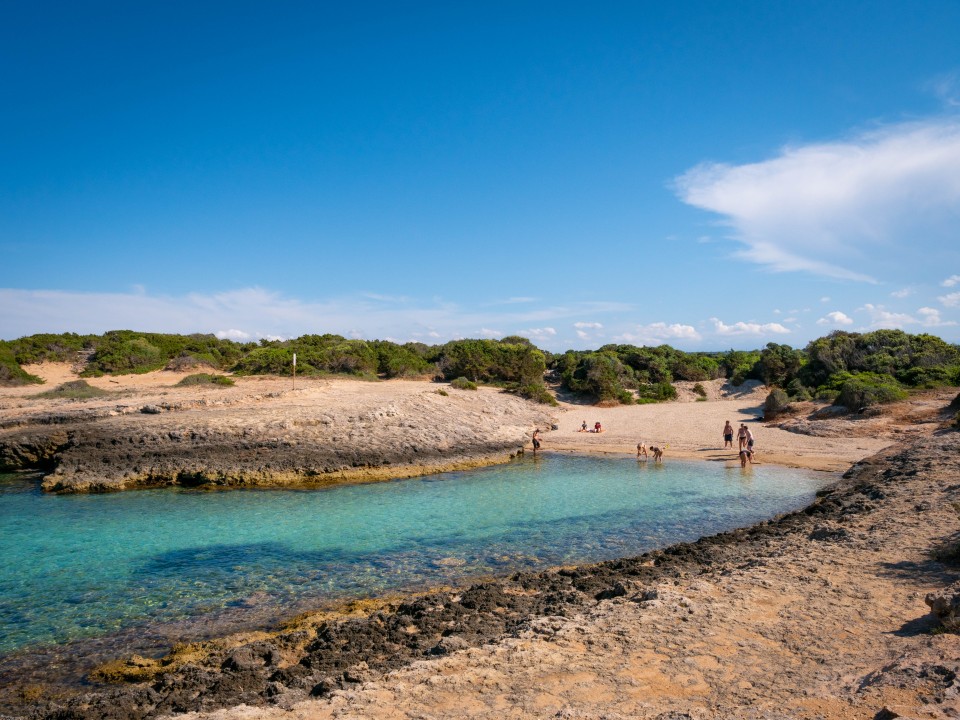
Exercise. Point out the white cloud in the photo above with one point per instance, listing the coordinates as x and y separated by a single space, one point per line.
829 208
748 328
825 299
544 333
951 281
880 317
906 292
835 318
233 334
930 317
657 333
950 300
488 333
591 325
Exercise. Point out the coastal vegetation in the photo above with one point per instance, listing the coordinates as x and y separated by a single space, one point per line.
73 390
206 379
855 370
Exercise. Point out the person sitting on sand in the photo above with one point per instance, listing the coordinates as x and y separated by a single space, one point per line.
746 456
728 435
641 450
597 428
583 426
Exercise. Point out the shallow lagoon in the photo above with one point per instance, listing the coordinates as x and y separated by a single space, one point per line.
80 566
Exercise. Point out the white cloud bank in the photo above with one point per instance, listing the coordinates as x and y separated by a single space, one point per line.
829 208
658 333
748 328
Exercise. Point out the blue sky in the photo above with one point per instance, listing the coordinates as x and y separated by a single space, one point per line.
703 174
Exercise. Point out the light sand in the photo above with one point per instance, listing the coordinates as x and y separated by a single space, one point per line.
694 430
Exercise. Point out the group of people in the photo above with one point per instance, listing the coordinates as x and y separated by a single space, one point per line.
744 442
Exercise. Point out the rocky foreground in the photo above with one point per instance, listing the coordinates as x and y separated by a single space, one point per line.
817 614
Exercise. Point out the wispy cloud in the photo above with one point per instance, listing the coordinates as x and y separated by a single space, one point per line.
836 318
905 292
951 281
826 208
950 299
946 88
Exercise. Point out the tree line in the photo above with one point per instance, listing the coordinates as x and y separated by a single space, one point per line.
853 369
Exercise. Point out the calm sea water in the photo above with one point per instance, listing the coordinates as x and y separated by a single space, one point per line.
80 566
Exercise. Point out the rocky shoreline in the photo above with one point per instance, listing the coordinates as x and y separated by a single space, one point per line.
890 511
305 437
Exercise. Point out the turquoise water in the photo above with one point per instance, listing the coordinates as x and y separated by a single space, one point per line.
80 566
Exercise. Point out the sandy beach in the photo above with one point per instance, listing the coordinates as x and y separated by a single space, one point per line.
817 615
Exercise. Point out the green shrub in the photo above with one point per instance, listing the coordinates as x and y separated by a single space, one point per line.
206 379
700 390
441 391
492 362
656 392
73 390
537 392
11 374
777 402
271 361
461 383
865 389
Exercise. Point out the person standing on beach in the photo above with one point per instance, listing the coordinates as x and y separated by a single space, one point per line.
749 443
728 435
741 436
536 440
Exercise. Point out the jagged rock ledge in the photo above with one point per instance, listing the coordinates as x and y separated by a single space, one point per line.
271 440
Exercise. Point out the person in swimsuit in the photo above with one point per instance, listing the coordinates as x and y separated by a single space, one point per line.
536 440
728 435
583 426
742 436
597 428
641 450
746 456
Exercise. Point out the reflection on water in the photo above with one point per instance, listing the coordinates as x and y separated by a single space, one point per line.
77 566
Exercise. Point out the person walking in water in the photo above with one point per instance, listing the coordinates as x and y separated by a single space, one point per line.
728 435
536 440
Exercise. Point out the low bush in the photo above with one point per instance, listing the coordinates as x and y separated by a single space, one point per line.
776 403
865 389
700 390
206 379
461 383
11 374
656 392
537 392
74 390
